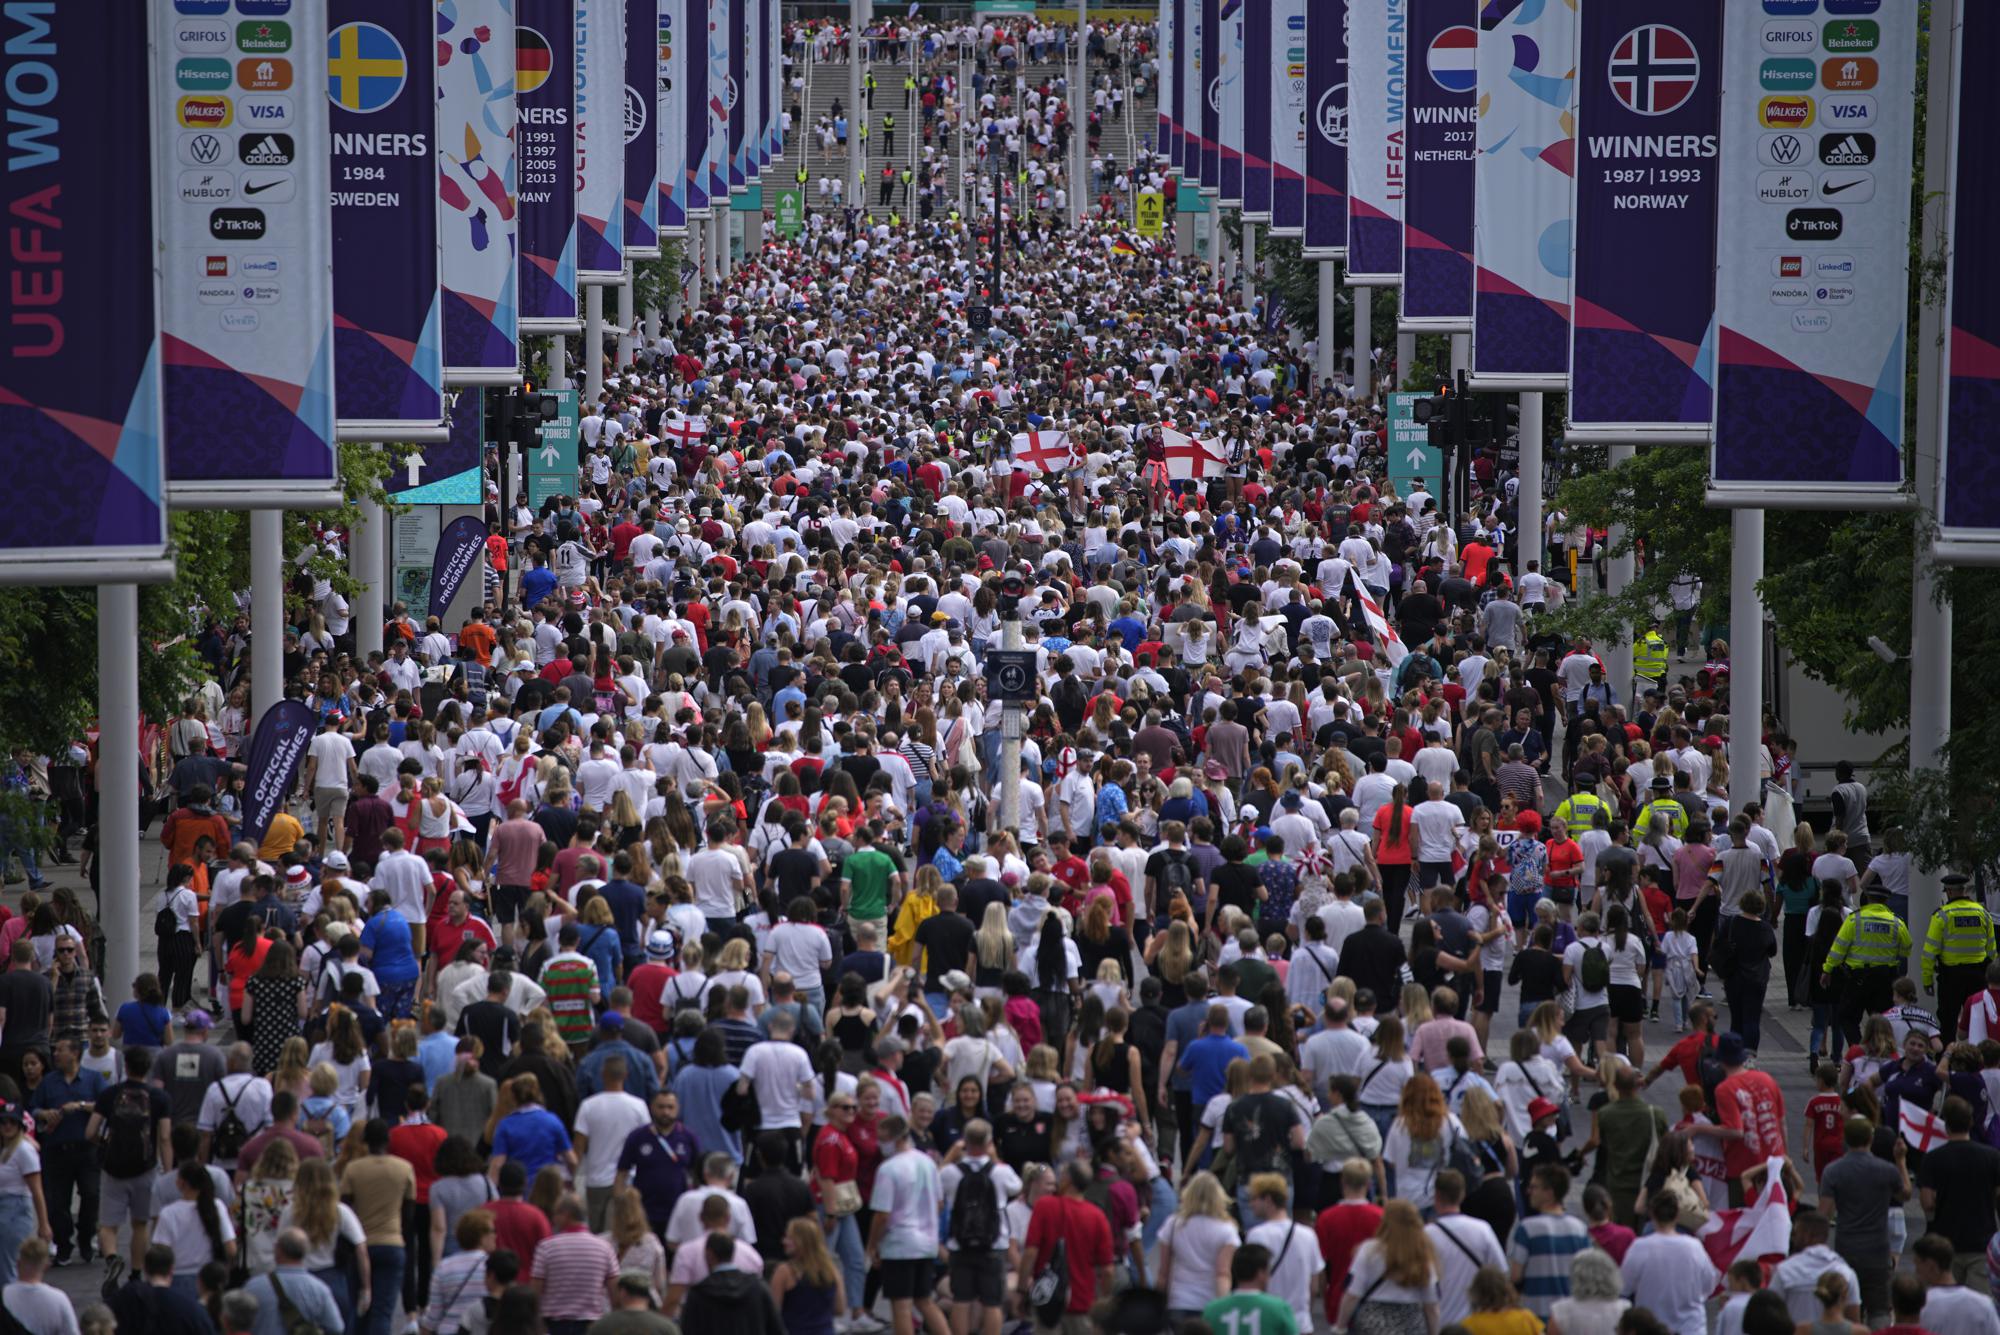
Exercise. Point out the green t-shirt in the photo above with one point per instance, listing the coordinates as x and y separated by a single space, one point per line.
867 873
1250 1313
1628 1130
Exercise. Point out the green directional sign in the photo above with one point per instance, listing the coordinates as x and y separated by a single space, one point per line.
1413 461
790 212
552 463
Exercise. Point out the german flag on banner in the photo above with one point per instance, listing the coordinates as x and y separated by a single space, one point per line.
532 60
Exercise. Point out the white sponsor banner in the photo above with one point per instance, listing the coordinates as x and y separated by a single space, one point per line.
1521 198
246 256
670 118
1812 255
1377 73
722 96
600 141
1288 115
1229 103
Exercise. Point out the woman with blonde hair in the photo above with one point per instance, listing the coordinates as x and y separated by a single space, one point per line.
919 905
633 1239
1419 1141
1491 1197
1381 1089
993 947
806 1286
1392 1283
1547 1023
265 1197
1496 1307
292 1072
1416 1006
732 966
1170 957
434 816
1196 1247
317 1211
1235 1084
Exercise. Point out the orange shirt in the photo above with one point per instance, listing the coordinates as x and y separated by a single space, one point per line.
482 640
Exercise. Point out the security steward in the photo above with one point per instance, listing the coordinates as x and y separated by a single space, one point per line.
1957 948
1649 659
1661 803
1579 810
1866 959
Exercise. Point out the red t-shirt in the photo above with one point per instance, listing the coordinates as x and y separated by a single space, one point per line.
647 982
1752 1102
834 1158
1341 1229
1088 1234
1826 1120
1686 1054
416 1143
518 1226
446 937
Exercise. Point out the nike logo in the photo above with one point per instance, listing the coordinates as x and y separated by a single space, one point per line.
272 185
1824 190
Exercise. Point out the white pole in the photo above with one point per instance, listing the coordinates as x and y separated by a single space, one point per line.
118 783
1930 624
364 562
1079 102
1406 358
1010 741
1528 511
267 611
593 343
697 235
1461 355
1327 310
628 320
1364 346
857 110
1746 655
559 362
1249 265
1618 654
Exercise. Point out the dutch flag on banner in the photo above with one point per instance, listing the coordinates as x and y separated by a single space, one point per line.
1453 59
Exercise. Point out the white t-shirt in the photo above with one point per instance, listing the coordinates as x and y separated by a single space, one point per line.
1627 965
1573 957
1435 828
1366 1270
1005 1179
1295 1259
777 1070
249 1095
801 950
715 873
1194 1243
607 1119
908 1191
1672 1278
1452 1237
16 1168
179 1227
332 750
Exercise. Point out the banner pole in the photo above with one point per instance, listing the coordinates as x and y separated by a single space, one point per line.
1528 501
118 782
558 362
1323 368
1364 346
267 610
1249 265
1619 571
593 343
364 562
628 316
1746 657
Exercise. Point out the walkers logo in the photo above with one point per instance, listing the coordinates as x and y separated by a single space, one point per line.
1785 113
266 150
264 75
236 224
1851 35
1655 70
1781 73
1849 74
1847 150
197 74
204 113
365 67
263 37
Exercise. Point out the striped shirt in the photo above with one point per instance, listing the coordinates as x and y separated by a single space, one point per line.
569 979
576 1268
1543 1246
456 1287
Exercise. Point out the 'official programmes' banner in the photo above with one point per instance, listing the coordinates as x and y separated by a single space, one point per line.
1229 92
1520 228
546 140
1377 70
1812 254
1288 118
642 137
388 339
1442 111
1970 504
1209 34
670 117
459 548
600 141
277 749
1328 130
1648 108
475 158
1259 71
80 384
246 255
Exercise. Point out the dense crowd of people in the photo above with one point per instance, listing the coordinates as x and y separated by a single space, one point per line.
710 944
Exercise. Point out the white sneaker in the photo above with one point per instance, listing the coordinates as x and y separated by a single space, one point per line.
866 1323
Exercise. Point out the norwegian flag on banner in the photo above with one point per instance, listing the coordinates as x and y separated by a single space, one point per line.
1392 645
1190 459
1762 1228
1920 1126
1048 451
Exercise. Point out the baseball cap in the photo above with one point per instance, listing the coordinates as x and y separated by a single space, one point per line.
335 860
611 1022
660 945
198 1019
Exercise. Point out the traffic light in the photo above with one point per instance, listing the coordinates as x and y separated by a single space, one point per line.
1012 590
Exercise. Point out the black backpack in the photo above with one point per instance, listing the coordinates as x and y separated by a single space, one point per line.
230 1134
975 1209
1176 873
129 1143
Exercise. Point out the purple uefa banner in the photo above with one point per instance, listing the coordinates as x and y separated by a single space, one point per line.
694 109
1168 137
449 471
1648 126
739 52
80 385
1969 486
1437 181
459 548
1258 77
1210 110
1326 130
277 749
545 144
642 140
388 349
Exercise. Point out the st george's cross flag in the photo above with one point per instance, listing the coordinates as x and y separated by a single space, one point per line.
1760 1231
1391 644
685 431
1920 1126
1047 451
1189 458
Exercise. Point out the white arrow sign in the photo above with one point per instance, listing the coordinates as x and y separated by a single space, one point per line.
1416 457
551 456
416 466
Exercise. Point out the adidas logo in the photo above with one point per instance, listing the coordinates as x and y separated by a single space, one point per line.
267 151
1847 150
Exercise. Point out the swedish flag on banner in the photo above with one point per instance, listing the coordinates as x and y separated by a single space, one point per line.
365 67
